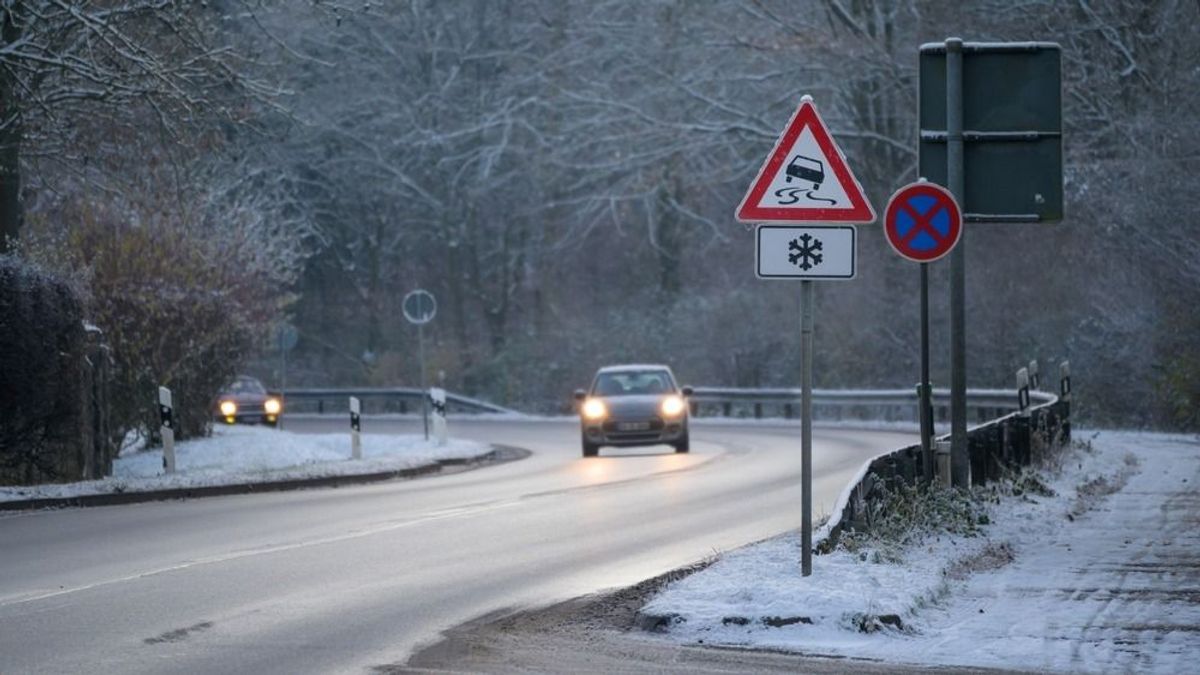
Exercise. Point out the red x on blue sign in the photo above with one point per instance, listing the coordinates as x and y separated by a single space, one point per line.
922 221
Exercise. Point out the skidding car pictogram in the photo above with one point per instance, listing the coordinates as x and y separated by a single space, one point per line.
806 168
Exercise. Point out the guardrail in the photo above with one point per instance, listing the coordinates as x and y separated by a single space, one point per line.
873 404
837 404
380 399
996 448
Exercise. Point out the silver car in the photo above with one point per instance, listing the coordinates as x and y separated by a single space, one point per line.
633 405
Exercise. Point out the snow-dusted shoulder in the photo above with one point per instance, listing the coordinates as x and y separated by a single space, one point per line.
1091 566
246 454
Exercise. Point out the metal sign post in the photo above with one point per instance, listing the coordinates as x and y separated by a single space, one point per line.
805 180
419 308
1008 128
287 337
806 357
923 223
925 388
424 392
807 253
960 461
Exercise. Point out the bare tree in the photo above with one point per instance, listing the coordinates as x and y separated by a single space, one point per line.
66 65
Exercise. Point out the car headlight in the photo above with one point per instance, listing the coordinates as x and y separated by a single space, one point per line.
228 408
594 409
673 405
273 406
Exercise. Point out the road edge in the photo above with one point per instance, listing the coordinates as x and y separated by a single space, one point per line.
500 454
609 624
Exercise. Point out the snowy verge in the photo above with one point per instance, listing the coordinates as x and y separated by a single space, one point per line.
1073 577
236 455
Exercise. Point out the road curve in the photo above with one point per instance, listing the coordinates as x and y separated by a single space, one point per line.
341 580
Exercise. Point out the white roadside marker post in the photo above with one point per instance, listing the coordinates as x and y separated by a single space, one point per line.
437 401
166 414
355 428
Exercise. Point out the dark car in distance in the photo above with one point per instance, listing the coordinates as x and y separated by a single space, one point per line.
633 405
246 401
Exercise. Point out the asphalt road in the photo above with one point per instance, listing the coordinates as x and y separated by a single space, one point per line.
343 580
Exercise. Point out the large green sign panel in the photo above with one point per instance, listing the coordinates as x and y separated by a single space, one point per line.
1012 128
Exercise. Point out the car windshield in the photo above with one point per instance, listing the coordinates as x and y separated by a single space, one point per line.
633 382
246 386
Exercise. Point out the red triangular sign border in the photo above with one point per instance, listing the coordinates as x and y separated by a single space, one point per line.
861 211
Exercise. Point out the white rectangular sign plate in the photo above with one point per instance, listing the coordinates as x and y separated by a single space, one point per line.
825 252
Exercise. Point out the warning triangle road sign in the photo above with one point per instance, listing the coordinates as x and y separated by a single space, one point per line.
805 179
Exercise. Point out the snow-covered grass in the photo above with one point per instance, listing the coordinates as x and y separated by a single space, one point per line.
1090 565
245 454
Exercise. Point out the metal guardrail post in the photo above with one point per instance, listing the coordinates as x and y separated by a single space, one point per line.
943 462
1024 428
1064 396
925 419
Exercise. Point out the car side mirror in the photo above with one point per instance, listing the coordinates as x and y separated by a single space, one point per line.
687 391
580 394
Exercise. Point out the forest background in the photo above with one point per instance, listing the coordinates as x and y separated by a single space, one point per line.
562 176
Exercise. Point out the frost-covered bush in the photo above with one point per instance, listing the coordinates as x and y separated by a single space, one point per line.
909 514
41 357
180 305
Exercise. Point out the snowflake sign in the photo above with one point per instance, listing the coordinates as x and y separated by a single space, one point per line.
825 252
805 247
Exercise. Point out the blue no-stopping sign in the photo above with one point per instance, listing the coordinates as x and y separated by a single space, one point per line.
922 222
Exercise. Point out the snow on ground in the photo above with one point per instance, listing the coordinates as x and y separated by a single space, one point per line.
1103 576
247 454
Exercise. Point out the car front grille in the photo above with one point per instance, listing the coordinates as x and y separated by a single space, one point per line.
614 426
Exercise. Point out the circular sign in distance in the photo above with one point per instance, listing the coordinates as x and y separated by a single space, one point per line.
286 337
419 307
922 221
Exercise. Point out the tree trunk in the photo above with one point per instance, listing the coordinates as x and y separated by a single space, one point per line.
11 211
668 231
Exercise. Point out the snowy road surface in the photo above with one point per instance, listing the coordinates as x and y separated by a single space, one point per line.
345 579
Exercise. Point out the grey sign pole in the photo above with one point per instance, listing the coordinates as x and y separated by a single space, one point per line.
924 389
419 308
804 243
806 355
285 338
282 384
960 464
424 393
